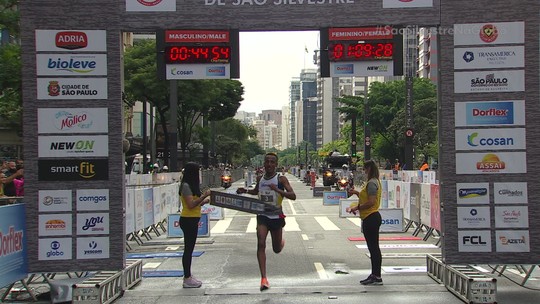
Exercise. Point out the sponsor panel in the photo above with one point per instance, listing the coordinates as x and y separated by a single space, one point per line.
510 193
72 120
512 240
71 64
73 169
197 71
489 81
92 199
407 3
511 217
490 113
489 33
150 5
473 217
54 224
489 57
71 41
490 139
93 248
54 200
73 146
55 249
92 223
472 193
491 163
474 241
362 68
71 88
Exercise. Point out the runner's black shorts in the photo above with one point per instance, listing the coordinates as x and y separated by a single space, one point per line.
272 224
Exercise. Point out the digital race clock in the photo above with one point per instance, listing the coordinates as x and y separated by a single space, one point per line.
178 54
364 50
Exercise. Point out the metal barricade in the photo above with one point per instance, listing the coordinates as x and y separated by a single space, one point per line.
103 288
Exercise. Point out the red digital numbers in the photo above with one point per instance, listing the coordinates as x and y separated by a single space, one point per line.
198 54
352 51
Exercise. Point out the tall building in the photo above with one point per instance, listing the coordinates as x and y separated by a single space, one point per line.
427 54
294 99
306 110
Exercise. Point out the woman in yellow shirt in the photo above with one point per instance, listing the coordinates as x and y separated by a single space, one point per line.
369 202
192 200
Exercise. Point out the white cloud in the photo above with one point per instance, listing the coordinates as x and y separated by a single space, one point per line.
268 63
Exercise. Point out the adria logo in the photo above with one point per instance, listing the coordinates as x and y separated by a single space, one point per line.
71 40
406 0
149 2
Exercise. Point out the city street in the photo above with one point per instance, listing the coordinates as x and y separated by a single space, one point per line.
319 264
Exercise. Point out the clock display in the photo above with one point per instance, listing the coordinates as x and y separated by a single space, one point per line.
355 51
197 54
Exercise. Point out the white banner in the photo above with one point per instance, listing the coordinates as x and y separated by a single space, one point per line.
489 33
73 120
197 71
71 41
489 81
73 146
150 5
512 241
510 193
511 217
490 139
362 68
71 88
491 163
489 57
490 113
407 3
71 64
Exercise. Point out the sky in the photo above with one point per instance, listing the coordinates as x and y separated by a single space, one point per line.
268 63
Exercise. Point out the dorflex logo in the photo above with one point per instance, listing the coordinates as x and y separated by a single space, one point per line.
343 69
215 71
490 163
71 40
490 113
72 170
489 33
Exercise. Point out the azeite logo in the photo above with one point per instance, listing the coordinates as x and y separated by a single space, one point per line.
71 40
73 170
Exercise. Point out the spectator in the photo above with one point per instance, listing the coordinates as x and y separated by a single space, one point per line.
11 174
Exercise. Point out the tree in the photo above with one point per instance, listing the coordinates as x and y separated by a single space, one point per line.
233 143
9 17
216 99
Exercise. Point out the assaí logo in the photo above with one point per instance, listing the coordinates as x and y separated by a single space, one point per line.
67 121
55 252
490 163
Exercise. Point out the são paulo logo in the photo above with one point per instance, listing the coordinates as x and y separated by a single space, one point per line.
489 33
474 141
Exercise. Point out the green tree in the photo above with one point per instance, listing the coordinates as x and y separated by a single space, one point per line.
215 99
9 17
233 144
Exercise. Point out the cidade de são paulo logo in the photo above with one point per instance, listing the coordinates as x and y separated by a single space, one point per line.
149 2
489 33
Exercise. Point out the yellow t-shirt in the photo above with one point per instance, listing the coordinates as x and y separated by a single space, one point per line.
363 198
186 211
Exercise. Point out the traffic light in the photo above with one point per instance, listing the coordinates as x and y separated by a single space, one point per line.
366 123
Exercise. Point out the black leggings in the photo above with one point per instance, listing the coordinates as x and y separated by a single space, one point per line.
370 229
190 227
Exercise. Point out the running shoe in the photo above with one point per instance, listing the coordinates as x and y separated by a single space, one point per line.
191 282
264 284
366 279
372 280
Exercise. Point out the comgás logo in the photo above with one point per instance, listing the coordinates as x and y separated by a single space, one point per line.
149 2
489 33
71 40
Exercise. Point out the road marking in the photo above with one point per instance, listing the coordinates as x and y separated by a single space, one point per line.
399 246
292 224
252 226
480 269
305 237
321 271
292 207
221 226
151 265
172 248
325 223
354 220
398 269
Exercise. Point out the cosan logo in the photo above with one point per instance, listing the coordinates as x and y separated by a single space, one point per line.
71 40
474 141
177 72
